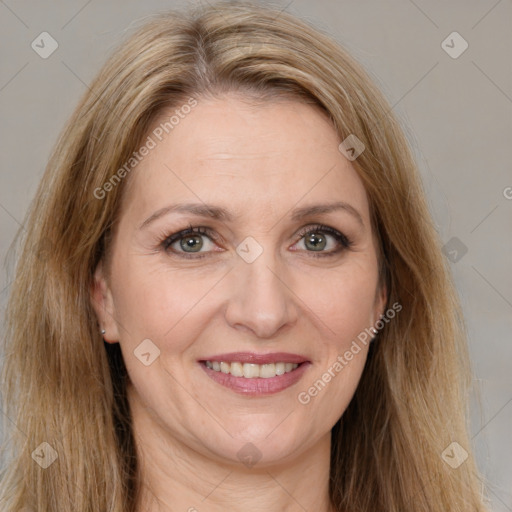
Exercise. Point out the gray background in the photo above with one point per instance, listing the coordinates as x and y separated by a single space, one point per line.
456 113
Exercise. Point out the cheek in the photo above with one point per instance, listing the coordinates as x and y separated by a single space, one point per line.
344 304
343 299
152 301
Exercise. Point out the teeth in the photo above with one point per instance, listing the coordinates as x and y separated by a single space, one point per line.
268 370
251 370
236 369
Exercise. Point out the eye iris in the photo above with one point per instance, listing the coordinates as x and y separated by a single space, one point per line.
194 242
317 242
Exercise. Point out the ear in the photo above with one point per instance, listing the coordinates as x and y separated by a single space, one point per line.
103 304
380 302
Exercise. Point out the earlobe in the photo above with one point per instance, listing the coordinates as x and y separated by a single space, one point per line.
103 304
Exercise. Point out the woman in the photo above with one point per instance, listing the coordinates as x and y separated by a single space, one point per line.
230 294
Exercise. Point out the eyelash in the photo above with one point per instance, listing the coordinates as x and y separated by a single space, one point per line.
342 239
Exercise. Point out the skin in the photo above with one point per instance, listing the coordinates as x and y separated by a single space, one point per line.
260 162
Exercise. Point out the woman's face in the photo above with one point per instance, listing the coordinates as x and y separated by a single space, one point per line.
281 267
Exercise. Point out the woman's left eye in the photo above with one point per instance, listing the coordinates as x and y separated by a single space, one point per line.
324 240
190 242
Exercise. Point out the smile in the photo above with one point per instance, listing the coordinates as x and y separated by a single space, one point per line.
250 370
255 374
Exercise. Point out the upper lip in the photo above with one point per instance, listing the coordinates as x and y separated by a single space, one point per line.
252 357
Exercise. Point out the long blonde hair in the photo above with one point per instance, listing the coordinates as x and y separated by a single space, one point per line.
63 386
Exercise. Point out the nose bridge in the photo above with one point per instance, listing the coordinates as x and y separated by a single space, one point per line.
260 301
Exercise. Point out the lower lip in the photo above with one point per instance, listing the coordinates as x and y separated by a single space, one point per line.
257 386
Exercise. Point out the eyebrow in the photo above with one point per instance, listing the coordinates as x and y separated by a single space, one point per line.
219 213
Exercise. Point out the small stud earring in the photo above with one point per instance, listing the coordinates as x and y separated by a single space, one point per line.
103 331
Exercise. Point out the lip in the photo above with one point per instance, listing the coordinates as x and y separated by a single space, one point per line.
257 386
252 357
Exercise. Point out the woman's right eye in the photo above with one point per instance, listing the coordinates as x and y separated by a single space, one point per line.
189 242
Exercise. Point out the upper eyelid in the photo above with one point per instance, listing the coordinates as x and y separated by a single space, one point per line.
209 231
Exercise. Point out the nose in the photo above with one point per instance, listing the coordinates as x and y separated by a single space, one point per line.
260 300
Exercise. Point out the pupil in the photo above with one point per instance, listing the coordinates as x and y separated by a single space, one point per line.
191 242
317 242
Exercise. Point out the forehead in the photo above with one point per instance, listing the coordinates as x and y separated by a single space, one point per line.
272 155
